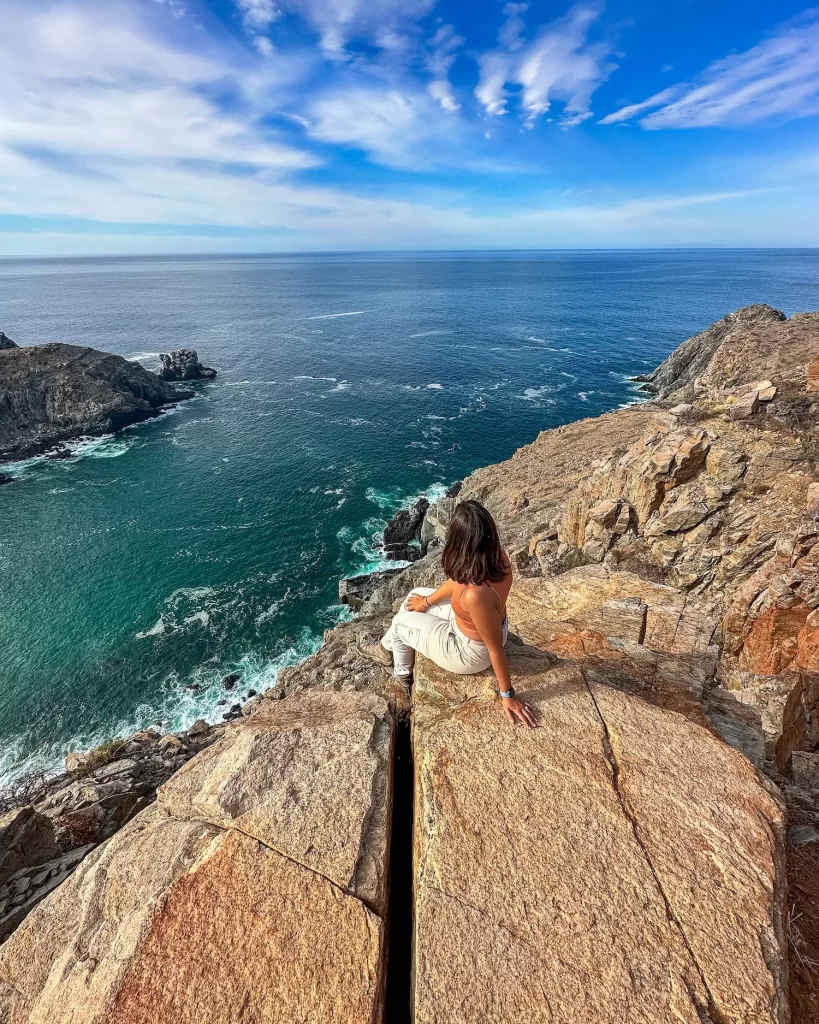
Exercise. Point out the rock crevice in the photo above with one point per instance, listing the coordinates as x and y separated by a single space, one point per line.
714 1015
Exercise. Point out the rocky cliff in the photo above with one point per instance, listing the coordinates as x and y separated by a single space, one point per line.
52 393
649 853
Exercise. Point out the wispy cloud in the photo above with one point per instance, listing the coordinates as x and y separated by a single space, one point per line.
558 65
96 93
443 52
337 22
399 127
258 14
777 78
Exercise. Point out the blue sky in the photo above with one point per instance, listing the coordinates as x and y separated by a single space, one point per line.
262 125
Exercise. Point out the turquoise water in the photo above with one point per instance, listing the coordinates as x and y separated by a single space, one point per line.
211 539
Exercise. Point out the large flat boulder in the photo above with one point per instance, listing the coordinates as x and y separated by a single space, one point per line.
308 777
618 863
209 907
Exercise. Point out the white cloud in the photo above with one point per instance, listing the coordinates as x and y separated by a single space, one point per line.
443 52
258 14
777 78
95 88
399 127
337 22
559 65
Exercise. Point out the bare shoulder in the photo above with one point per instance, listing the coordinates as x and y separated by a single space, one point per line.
477 597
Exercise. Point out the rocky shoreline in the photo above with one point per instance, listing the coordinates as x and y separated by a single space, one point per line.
649 853
54 393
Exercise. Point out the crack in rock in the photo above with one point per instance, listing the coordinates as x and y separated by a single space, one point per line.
711 1014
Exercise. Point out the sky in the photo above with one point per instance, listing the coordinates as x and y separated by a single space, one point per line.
181 126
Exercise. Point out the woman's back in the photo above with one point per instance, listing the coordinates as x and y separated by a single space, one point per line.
500 589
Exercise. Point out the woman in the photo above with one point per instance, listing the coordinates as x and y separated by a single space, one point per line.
461 626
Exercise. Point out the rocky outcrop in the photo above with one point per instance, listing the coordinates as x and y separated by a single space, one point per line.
52 393
618 863
355 591
253 890
6 342
402 533
60 819
183 364
691 359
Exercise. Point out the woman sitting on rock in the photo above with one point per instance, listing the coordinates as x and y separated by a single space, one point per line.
461 626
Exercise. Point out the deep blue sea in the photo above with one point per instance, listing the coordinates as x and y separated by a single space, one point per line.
211 539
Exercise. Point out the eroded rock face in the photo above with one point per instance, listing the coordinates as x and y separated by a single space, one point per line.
183 915
355 591
51 393
561 874
6 342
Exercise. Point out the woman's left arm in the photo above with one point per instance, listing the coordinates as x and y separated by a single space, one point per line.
417 603
487 620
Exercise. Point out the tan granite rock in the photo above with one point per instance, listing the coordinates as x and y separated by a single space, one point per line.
559 877
308 777
617 604
177 919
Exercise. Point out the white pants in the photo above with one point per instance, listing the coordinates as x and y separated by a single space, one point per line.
435 635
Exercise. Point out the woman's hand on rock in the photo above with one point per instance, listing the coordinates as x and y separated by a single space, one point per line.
519 709
417 603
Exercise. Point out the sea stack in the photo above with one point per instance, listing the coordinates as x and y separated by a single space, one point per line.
6 342
183 364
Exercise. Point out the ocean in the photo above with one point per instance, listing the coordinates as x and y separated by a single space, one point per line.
139 572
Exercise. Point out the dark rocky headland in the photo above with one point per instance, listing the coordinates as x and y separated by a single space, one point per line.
53 393
349 851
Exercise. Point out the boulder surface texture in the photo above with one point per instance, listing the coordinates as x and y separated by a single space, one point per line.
618 863
253 890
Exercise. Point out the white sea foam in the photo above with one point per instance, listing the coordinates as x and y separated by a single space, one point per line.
157 629
306 376
143 357
203 618
428 334
537 394
435 387
180 703
531 337
332 316
106 447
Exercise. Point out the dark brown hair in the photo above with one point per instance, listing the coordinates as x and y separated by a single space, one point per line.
473 552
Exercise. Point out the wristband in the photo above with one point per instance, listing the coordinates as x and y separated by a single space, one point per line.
426 601
509 693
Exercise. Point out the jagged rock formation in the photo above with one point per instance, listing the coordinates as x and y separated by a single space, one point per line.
6 342
626 861
402 533
51 393
183 364
355 591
